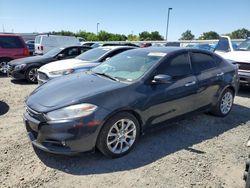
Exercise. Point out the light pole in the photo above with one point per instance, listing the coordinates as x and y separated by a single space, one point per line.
168 23
97 28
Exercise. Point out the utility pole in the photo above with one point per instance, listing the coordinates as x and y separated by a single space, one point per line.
169 9
97 28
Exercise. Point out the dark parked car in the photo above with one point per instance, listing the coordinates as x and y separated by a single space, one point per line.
26 68
110 106
11 47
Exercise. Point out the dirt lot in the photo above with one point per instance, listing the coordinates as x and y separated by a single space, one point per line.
201 151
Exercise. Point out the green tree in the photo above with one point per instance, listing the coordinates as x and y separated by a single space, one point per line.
209 35
187 35
145 35
240 34
155 35
132 37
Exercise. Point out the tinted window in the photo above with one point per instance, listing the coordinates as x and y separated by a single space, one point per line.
223 45
11 42
71 52
178 66
84 50
202 62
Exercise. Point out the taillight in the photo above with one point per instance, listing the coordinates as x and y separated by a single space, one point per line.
42 48
26 52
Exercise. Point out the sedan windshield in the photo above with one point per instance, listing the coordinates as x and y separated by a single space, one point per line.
129 65
53 52
94 54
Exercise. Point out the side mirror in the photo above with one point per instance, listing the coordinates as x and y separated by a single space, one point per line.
107 58
60 56
162 79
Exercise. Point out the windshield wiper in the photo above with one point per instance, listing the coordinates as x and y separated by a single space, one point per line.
107 76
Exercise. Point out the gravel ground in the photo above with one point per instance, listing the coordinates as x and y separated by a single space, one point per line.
201 151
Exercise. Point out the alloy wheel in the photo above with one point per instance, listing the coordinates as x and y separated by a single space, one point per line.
32 75
121 136
226 103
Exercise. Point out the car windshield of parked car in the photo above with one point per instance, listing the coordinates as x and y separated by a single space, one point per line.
53 52
129 65
94 54
245 45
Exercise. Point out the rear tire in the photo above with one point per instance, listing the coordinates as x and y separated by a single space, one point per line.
31 75
224 105
119 135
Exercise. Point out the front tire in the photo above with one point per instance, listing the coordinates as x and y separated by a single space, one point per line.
119 135
3 64
31 74
225 104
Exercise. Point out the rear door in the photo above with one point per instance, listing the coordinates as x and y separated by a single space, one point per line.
209 77
176 97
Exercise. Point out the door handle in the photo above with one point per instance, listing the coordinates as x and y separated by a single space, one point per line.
190 83
220 74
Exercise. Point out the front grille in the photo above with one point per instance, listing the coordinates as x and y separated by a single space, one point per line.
243 66
42 76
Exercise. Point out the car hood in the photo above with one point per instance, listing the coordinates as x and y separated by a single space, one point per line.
237 56
27 60
66 64
70 89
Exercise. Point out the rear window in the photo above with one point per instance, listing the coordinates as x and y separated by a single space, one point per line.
38 39
11 42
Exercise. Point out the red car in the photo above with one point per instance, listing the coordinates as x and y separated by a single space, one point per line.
11 47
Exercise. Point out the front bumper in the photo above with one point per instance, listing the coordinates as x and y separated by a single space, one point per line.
65 137
244 77
11 72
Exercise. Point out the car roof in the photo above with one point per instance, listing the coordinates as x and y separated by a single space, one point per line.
9 34
117 47
171 50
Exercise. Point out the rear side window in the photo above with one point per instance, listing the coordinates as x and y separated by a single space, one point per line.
177 67
202 62
11 42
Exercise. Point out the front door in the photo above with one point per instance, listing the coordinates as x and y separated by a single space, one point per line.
175 98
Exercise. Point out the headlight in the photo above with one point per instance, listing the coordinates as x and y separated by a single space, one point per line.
70 112
62 72
19 67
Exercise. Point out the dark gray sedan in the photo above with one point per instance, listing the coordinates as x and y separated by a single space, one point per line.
110 106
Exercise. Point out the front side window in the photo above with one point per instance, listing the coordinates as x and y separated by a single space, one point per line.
202 62
176 67
71 52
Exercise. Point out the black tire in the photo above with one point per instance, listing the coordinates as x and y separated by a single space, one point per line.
102 141
28 74
217 109
3 61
